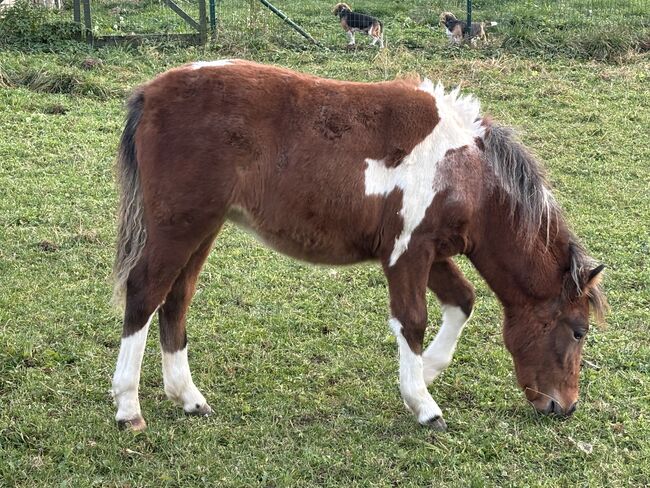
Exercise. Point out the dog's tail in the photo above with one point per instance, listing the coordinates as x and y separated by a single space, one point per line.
490 24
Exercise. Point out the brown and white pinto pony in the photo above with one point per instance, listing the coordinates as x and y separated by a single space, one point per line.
336 172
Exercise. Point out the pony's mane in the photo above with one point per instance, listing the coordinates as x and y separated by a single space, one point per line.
532 206
523 180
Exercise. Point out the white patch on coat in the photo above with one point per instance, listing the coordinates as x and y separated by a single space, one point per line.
449 34
177 378
411 380
350 35
126 379
459 124
440 352
212 64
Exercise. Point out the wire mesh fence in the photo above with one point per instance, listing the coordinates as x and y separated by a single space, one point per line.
560 15
580 27
128 17
587 28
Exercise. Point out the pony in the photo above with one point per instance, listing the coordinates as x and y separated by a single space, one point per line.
335 172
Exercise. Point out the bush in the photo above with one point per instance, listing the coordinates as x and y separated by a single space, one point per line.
27 24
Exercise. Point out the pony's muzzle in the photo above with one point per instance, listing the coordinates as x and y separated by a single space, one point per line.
549 406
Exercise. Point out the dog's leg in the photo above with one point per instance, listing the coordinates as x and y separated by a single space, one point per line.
377 34
350 38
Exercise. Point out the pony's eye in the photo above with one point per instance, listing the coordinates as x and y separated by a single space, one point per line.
578 334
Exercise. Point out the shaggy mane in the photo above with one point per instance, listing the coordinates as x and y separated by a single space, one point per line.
523 179
533 207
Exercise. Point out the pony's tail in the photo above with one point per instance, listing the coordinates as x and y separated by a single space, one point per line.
131 231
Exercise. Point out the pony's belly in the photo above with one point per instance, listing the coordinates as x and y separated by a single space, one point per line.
304 243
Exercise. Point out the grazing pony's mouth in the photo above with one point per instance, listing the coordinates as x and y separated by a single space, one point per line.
549 404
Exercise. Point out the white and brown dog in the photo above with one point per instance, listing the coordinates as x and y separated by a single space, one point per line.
356 22
455 29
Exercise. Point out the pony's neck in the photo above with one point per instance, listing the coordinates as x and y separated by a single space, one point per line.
517 269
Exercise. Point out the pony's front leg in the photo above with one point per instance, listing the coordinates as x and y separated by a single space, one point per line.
456 297
407 283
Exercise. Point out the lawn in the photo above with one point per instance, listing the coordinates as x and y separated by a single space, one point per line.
297 361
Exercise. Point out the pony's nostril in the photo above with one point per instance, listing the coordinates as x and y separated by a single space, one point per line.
551 407
572 409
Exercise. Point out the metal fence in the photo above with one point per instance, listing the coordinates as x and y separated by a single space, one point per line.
407 23
106 21
578 14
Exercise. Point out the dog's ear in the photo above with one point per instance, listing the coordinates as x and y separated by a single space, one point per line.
447 17
341 7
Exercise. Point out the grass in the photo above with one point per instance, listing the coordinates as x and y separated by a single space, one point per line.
297 361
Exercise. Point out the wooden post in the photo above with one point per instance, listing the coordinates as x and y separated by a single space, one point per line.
203 22
213 18
76 11
183 15
88 22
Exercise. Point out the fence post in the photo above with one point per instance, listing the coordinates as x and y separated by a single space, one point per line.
76 11
88 24
213 19
203 23
468 27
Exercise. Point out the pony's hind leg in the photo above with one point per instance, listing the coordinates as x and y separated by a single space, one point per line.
177 378
127 371
147 285
456 297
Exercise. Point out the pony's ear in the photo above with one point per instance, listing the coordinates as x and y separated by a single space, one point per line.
594 277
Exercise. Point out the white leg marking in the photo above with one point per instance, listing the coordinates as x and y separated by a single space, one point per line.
411 380
179 386
211 64
438 355
459 124
127 374
350 38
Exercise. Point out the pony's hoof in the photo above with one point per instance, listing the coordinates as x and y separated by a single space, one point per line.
136 424
200 410
436 423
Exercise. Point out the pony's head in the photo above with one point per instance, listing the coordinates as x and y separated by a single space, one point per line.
544 278
546 338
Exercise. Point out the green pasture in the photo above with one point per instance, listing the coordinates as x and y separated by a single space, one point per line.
297 361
